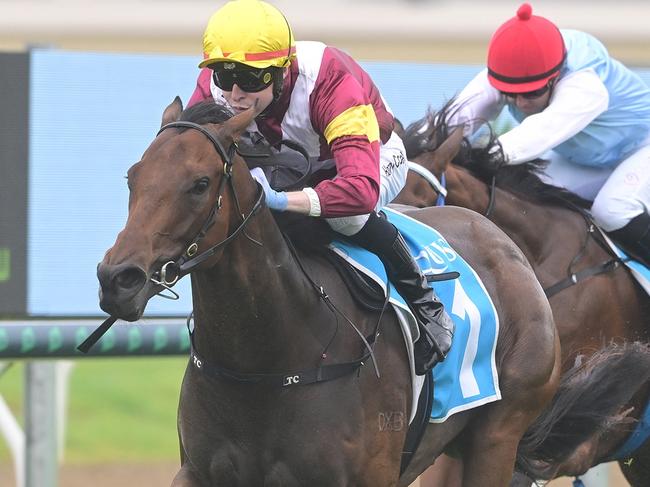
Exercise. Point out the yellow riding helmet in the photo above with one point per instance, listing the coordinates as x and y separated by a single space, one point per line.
250 32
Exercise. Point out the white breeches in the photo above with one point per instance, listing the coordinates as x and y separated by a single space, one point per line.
619 193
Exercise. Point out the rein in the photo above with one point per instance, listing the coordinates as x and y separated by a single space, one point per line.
321 373
438 185
492 187
261 156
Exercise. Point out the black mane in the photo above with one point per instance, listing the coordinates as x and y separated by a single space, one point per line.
486 162
206 111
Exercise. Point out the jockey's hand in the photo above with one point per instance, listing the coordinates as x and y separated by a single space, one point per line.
276 200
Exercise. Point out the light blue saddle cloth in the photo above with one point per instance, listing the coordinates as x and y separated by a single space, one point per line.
468 377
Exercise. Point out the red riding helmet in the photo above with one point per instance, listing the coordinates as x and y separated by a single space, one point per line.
525 53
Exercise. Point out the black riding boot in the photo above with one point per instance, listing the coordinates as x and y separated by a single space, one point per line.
436 327
635 237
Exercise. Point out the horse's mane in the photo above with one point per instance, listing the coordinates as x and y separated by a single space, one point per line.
487 161
206 111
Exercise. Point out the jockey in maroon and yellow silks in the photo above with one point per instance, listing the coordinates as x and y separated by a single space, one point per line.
347 121
320 98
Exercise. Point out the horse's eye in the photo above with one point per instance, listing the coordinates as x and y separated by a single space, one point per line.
200 186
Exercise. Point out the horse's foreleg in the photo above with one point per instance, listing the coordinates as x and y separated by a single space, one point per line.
445 472
186 478
490 461
491 443
520 480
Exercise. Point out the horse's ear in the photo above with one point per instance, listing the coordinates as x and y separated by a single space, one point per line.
173 112
232 128
444 154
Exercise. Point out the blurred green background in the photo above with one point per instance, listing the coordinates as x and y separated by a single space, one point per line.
118 410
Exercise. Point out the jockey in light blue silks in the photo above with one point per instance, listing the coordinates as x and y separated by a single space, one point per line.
585 112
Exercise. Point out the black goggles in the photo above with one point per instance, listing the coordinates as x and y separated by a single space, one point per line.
250 80
530 95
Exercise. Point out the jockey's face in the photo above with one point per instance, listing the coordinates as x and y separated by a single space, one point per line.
530 106
240 100
531 102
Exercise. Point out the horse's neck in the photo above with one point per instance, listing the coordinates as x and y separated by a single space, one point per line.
249 307
535 228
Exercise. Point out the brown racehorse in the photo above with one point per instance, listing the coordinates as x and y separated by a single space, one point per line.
271 320
550 226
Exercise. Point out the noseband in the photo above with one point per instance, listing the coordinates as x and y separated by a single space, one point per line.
172 271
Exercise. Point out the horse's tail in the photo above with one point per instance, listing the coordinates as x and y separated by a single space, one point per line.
588 400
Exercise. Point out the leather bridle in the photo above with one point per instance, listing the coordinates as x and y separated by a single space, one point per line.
189 260
172 271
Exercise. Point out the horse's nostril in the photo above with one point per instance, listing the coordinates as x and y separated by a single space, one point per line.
130 278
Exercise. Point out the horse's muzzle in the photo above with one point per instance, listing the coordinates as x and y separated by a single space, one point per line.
121 290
